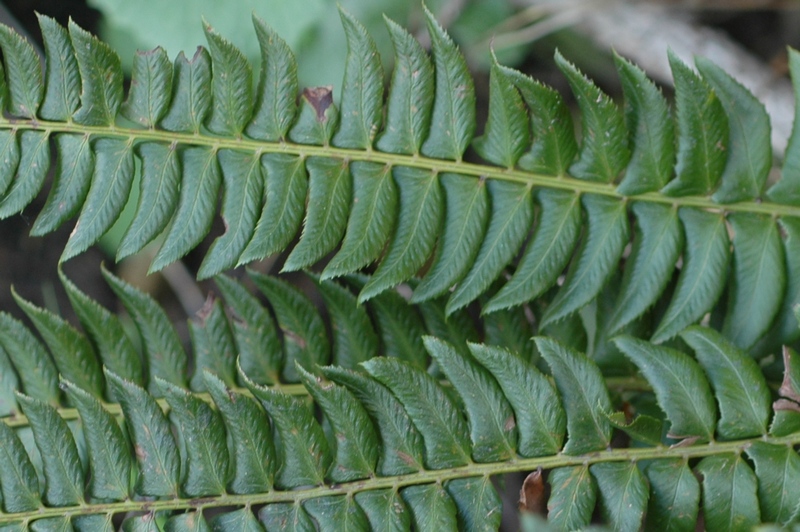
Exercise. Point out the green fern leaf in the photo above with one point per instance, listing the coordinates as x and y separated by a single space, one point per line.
34 159
213 345
682 391
584 395
36 369
163 351
191 95
431 508
110 462
156 450
232 86
23 73
151 88
729 486
18 479
158 196
674 496
258 347
74 355
62 82
253 459
384 510
574 496
623 494
101 79
62 466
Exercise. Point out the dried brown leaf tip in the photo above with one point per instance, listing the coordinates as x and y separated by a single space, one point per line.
532 494
320 98
790 387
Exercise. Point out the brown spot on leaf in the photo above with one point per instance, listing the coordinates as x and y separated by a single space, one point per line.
788 388
140 453
320 99
532 494
785 404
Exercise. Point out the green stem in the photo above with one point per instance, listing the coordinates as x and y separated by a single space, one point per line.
415 161
397 482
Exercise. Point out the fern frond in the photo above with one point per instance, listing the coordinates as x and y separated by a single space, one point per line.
358 184
402 448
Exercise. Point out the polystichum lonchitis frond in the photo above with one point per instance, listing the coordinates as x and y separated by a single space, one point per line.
401 450
387 183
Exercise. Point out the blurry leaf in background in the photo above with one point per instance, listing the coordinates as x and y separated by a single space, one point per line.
311 28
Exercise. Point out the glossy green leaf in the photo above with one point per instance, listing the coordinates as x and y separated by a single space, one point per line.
467 208
478 504
9 383
597 259
408 109
354 337
231 84
584 395
385 510
71 350
188 522
458 329
362 88
282 214
111 184
702 131
510 219
778 472
34 160
702 278
750 150
679 384
36 369
601 157
101 79
400 327
151 87
401 444
573 496
241 520
253 460
759 278
643 428
156 450
19 483
286 516
674 496
71 182
511 329
657 244
62 82
507 132
9 158
259 350
275 105
784 330
200 183
63 474
330 186
370 223
650 132
453 115
729 493
23 72
491 420
244 185
337 513
142 523
742 393
354 441
415 233
538 414
547 255
304 336
623 494
158 196
443 427
110 461
162 348
431 507
114 347
305 456
191 96
207 462
554 146
213 344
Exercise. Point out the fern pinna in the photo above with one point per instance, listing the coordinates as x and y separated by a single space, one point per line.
397 448
388 184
